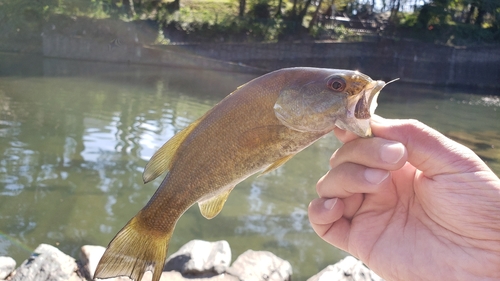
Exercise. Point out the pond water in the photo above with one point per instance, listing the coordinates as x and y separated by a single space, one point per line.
75 136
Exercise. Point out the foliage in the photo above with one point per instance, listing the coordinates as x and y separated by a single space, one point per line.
21 19
442 21
453 22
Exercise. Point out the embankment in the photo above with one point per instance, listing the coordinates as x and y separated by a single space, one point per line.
380 58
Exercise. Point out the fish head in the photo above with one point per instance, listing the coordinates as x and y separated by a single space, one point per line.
318 100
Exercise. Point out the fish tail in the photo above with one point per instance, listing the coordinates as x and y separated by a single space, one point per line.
133 251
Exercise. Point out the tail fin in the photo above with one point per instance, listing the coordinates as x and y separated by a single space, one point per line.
133 251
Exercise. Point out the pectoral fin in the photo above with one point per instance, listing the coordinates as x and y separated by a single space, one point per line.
277 164
212 207
161 161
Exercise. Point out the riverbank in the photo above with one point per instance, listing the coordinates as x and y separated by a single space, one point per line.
381 58
196 260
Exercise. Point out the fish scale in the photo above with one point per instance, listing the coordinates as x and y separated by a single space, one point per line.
258 127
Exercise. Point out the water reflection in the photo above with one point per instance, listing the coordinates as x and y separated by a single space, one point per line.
75 137
264 219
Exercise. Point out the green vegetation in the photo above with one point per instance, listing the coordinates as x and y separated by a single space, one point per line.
459 22
454 22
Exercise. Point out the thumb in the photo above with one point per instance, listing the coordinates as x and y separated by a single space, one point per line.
428 150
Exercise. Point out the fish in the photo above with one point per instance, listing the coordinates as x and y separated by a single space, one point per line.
256 128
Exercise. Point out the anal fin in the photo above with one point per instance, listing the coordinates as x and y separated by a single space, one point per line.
210 208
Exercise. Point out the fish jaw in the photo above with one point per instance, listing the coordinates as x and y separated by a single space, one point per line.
360 108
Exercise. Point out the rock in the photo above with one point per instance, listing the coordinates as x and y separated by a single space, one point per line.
90 256
210 256
177 276
47 263
260 265
200 258
7 266
348 269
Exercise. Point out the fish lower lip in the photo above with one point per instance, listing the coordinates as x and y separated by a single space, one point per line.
362 109
368 100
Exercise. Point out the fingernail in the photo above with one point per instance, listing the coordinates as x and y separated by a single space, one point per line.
392 152
375 176
330 203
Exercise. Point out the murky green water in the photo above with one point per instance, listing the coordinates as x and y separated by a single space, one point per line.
75 136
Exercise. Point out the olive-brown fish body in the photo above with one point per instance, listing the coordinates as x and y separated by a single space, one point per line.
259 126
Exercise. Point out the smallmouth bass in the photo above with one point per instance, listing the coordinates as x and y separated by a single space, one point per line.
258 127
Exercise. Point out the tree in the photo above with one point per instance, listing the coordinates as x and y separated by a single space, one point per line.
242 8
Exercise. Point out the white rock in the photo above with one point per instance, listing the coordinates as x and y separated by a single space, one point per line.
47 263
177 276
200 258
348 269
260 265
90 256
7 265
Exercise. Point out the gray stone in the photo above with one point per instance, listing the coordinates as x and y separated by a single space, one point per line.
260 265
177 276
90 256
47 263
7 266
348 269
200 258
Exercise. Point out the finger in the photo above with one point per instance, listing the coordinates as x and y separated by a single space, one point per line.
373 152
352 205
328 222
343 135
323 211
427 149
349 178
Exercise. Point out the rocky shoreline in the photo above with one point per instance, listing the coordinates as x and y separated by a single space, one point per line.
195 261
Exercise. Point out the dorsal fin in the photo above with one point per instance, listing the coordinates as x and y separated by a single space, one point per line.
161 161
211 207
277 164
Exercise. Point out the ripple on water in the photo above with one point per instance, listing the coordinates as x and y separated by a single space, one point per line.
486 144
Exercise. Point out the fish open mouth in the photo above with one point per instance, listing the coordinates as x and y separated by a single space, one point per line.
362 108
367 102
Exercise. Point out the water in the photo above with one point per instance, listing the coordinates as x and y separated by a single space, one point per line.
75 136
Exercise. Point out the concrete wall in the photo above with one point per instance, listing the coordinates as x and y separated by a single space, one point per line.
385 59
67 47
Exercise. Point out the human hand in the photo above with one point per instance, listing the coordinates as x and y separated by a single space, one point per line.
411 204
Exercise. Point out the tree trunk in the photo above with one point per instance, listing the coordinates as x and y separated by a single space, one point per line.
173 6
472 9
315 16
132 9
243 4
278 12
395 10
480 16
303 12
294 8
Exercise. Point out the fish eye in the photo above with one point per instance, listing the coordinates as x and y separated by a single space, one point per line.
337 84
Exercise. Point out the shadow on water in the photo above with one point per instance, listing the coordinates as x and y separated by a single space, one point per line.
75 136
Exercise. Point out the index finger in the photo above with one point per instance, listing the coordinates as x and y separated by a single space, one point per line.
428 150
343 135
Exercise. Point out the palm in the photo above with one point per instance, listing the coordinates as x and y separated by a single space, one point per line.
431 219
